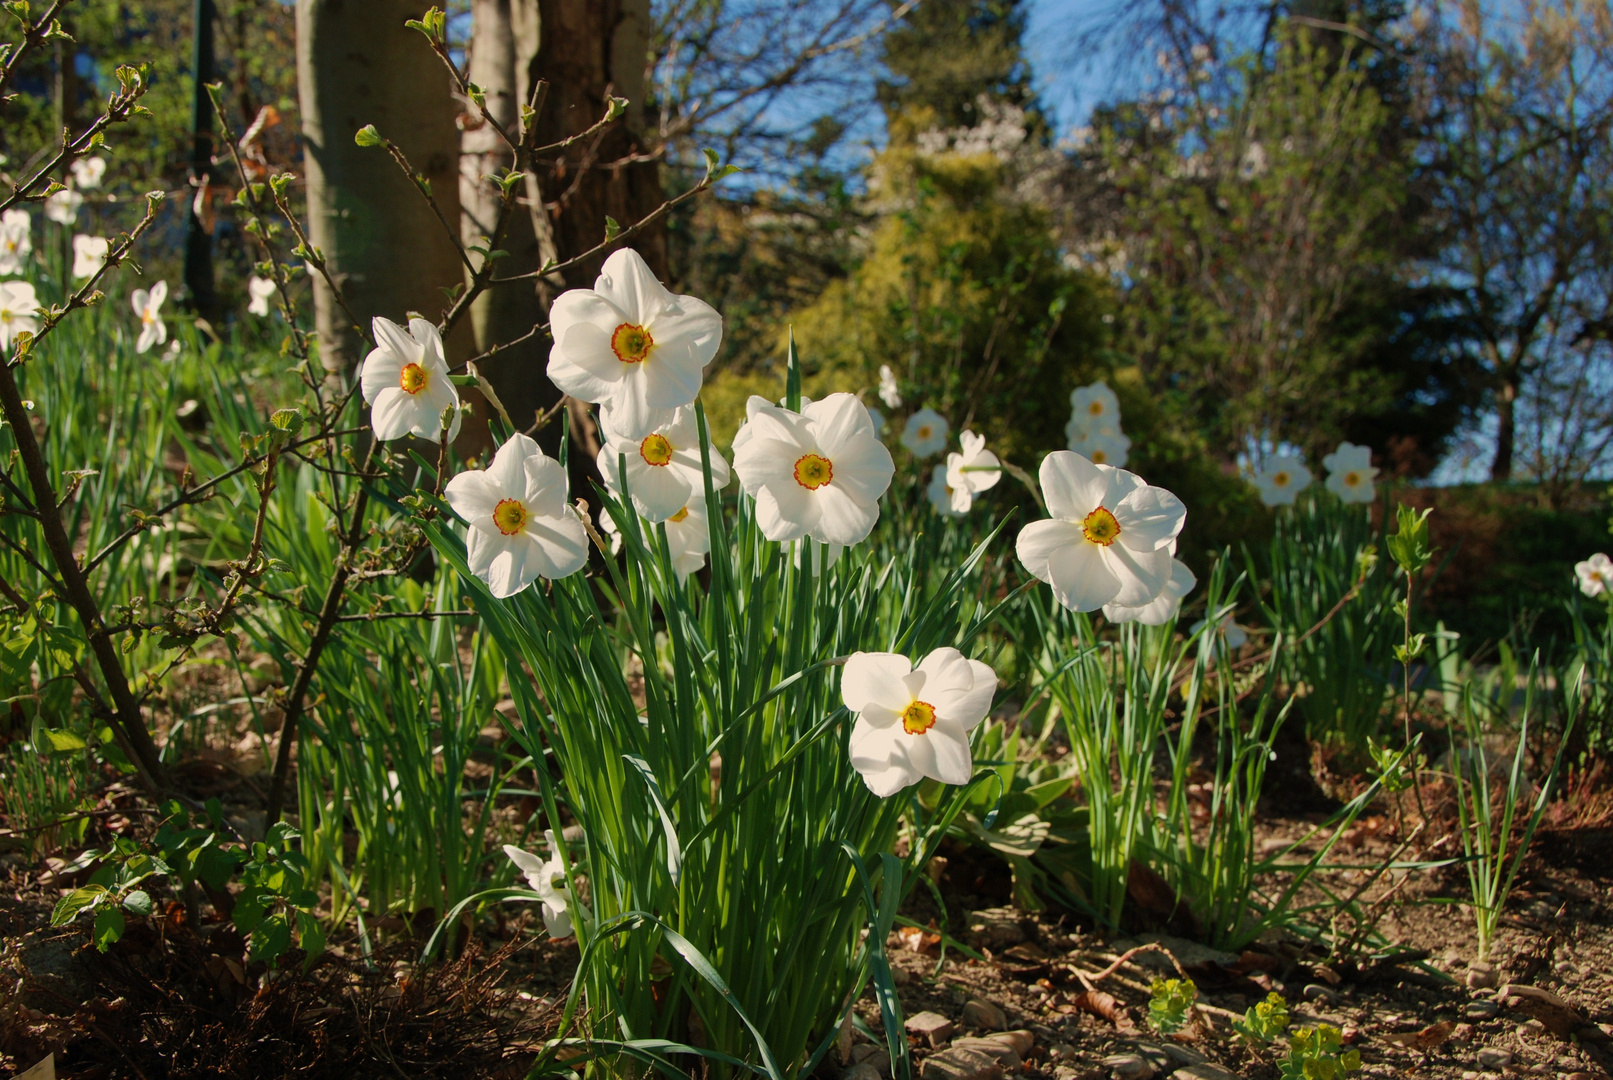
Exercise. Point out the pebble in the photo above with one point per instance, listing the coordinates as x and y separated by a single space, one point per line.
862 1070
1205 1071
932 1027
877 1056
1064 1072
1482 1010
1493 1059
1020 1040
1318 992
984 1014
1531 1027
1482 975
1128 1067
1001 1052
959 1064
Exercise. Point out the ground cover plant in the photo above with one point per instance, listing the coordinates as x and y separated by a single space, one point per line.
374 711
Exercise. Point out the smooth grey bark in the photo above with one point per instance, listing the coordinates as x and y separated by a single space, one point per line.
504 41
358 64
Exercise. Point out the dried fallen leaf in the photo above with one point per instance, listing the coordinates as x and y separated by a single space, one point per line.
917 939
1426 1039
1099 1004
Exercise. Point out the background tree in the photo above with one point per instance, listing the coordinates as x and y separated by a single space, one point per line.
358 64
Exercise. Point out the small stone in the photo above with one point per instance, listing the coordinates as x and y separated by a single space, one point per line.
1493 1059
1061 1051
1128 1067
1179 1055
1022 1041
1064 1072
1204 1071
1156 1056
877 1056
932 1027
1462 1033
863 1070
984 1014
1318 992
1005 1055
1469 1074
958 1064
1482 1010
996 927
1531 1027
1481 975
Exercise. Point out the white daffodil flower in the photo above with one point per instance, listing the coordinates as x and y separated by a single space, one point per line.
754 404
405 380
547 878
1106 446
973 471
18 310
888 391
819 472
1109 538
1595 575
62 207
1162 608
1229 635
912 722
89 254
631 346
521 528
1281 481
87 172
941 493
1094 408
148 305
663 468
688 535
1350 473
261 290
16 240
925 433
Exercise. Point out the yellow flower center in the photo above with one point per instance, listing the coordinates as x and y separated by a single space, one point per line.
510 515
413 379
1100 527
924 431
1095 408
631 344
812 471
655 450
680 515
918 718
1100 457
1352 479
1280 479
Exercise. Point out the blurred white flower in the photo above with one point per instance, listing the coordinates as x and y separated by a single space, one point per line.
547 878
148 305
876 418
16 240
819 472
1092 408
925 433
1109 538
1162 608
888 391
1595 575
912 722
18 308
1350 473
1229 634
631 346
405 380
62 207
1106 446
1281 481
940 493
688 537
261 290
975 470
87 172
663 468
521 528
1253 164
89 254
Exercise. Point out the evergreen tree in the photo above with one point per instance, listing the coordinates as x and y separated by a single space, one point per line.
945 54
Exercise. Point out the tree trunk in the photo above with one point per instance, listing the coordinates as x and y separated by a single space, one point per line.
503 45
589 48
358 64
1506 400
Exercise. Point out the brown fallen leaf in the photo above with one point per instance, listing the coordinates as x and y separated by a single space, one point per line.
917 939
1097 1003
1426 1039
1559 1016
